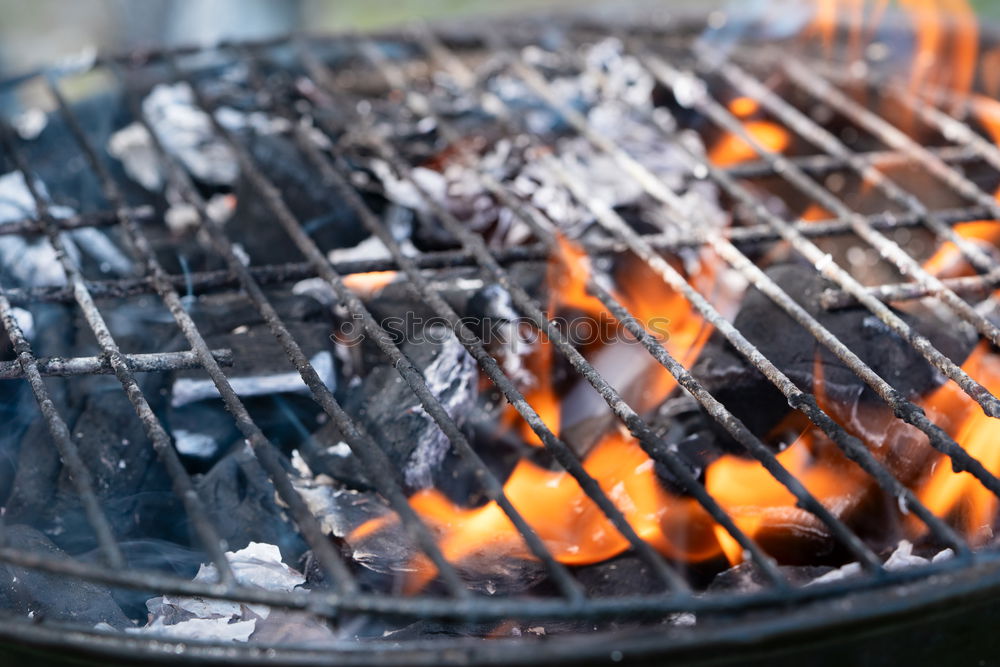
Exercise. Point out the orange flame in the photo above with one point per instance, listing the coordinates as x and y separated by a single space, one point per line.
731 149
960 495
947 261
369 283
578 533
567 276
946 36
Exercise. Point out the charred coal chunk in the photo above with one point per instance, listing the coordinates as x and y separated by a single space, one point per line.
37 465
240 500
38 594
621 576
330 223
394 416
795 352
748 577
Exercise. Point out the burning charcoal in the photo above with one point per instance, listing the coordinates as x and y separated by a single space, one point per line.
112 442
35 593
394 416
241 504
37 474
627 367
754 400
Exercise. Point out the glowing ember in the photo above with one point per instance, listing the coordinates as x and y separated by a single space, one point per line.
960 495
570 524
369 283
732 149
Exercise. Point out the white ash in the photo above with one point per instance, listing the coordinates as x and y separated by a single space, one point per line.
405 193
185 131
30 123
26 321
369 249
195 444
399 222
257 121
189 390
33 262
318 289
614 92
901 558
256 566
133 147
205 629
452 378
341 449
183 216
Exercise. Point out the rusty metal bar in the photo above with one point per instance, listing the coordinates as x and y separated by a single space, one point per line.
854 448
155 362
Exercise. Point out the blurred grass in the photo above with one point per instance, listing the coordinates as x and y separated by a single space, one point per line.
987 8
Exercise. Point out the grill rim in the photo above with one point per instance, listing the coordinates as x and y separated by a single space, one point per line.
851 617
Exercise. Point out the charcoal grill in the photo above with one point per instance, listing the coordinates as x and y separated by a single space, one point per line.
875 613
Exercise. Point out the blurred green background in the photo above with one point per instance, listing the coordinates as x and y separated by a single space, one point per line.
33 32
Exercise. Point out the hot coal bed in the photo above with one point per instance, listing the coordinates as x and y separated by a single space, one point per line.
550 341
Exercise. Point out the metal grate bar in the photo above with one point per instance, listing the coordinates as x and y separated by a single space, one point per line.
710 61
950 127
199 282
989 403
906 410
733 426
119 364
651 444
819 87
361 443
822 164
826 141
266 453
979 285
326 603
68 452
137 363
26 226
887 248
329 604
802 401
491 486
560 450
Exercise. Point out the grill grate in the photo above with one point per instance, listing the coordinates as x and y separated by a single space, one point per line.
334 170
